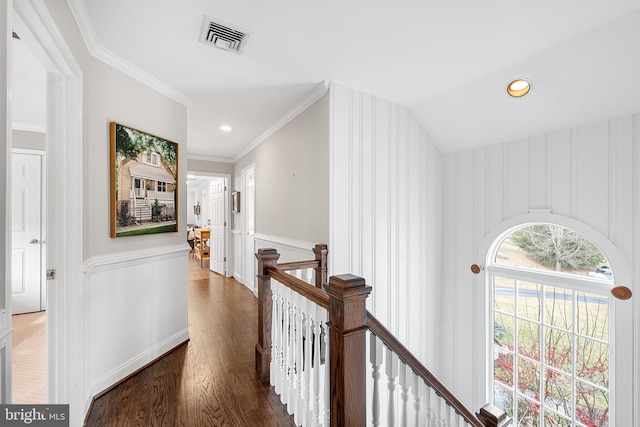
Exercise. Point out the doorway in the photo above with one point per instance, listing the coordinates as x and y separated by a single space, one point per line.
28 221
36 27
208 194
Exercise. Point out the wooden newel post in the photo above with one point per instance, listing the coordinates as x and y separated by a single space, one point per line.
491 416
266 258
347 353
321 252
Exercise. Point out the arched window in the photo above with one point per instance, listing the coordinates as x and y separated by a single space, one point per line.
550 331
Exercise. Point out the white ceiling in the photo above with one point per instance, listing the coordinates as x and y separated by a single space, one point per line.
447 61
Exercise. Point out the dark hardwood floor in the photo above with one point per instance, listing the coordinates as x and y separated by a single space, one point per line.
209 381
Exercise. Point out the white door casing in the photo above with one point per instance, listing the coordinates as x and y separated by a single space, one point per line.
65 367
247 208
6 11
217 191
26 234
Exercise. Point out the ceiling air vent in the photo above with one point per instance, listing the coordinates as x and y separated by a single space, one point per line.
222 35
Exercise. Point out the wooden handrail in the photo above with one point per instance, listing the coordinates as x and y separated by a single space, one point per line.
297 265
308 291
405 355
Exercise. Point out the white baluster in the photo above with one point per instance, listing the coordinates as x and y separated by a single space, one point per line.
424 391
428 410
391 369
308 407
415 387
287 345
291 396
317 330
299 411
273 367
327 371
439 412
404 393
447 412
281 304
376 358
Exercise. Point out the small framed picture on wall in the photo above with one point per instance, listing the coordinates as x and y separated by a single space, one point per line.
235 202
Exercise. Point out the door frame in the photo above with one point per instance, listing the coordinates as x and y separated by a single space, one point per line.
65 362
228 272
248 265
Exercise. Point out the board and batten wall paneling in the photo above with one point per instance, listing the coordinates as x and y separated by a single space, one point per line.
385 212
589 173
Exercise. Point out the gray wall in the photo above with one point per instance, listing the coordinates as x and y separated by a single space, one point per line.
196 165
28 140
292 178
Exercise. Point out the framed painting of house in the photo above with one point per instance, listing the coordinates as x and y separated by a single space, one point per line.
144 182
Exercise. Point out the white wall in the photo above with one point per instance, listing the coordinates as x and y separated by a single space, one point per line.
385 194
589 174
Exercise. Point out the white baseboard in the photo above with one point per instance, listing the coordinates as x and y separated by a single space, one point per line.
119 373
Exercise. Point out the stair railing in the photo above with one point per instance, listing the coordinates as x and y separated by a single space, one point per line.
303 323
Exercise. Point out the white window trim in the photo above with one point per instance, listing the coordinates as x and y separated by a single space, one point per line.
621 385
151 159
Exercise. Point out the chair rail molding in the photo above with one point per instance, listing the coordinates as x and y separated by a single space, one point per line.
118 260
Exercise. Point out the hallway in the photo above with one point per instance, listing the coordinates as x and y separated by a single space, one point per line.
210 381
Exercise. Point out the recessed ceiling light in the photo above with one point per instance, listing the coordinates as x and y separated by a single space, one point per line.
518 88
226 128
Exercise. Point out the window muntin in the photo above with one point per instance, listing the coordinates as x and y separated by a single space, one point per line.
550 343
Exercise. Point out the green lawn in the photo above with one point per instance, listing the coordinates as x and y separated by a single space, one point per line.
151 230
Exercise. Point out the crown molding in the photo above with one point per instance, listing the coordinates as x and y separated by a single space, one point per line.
209 158
315 94
81 15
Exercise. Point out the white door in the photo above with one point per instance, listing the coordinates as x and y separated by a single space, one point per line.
138 187
218 223
247 203
26 232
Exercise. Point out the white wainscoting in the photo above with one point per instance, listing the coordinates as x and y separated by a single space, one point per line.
134 310
385 212
589 174
237 254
